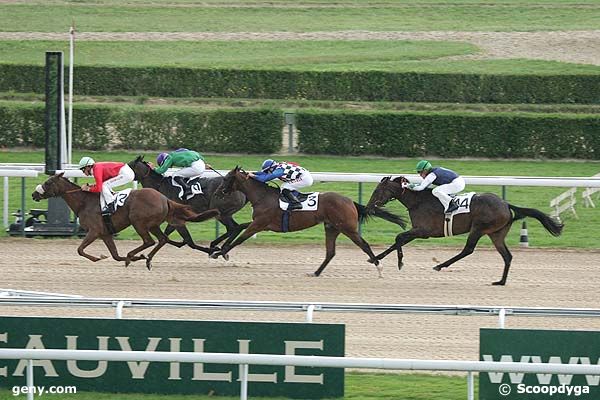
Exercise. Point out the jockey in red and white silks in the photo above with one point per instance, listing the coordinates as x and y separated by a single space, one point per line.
107 176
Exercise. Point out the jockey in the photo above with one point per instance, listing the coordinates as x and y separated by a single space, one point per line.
191 163
448 183
293 176
107 175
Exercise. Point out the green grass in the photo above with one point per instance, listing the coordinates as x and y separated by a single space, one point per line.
579 233
359 386
388 16
238 54
381 55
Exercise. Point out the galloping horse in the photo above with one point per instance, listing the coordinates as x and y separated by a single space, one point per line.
144 209
338 213
227 206
489 215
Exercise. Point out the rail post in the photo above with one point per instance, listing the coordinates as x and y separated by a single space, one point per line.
29 379
244 383
502 318
470 386
309 312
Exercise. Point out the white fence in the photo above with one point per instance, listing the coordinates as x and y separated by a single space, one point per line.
244 360
32 170
307 307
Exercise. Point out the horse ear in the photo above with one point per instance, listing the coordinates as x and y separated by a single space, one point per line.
385 179
399 179
61 174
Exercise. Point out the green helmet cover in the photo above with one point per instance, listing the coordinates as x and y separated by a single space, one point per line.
424 165
86 162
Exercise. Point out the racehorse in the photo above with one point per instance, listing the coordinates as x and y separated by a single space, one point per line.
227 206
144 209
338 213
489 215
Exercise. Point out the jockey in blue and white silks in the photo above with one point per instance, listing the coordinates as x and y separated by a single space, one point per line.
448 182
294 177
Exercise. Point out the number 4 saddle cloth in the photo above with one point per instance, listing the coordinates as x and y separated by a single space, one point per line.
310 201
463 201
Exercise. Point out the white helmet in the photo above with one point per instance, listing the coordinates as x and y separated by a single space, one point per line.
86 162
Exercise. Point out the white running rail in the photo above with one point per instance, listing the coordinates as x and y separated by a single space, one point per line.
307 361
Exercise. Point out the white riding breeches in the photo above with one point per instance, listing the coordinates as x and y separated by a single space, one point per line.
443 192
196 169
304 180
125 176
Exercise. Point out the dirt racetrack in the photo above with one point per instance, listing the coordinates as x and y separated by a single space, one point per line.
552 278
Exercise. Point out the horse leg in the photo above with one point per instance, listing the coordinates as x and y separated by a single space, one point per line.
170 229
162 240
250 230
472 240
87 240
362 243
187 239
331 234
498 240
109 242
148 242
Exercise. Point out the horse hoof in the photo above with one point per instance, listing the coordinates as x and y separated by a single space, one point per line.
127 263
149 265
226 257
437 268
499 283
215 255
312 275
400 265
380 271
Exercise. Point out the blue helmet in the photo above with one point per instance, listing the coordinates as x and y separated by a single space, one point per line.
161 158
267 164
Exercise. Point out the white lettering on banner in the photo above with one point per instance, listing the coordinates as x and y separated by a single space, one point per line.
72 364
35 342
244 348
290 371
543 379
4 339
199 374
138 369
174 372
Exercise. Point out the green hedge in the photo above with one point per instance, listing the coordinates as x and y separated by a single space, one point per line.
347 86
136 127
500 135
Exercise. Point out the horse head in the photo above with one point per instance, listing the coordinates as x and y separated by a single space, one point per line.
385 191
54 186
231 181
140 168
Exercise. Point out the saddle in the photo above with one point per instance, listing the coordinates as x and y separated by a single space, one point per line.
188 187
463 201
309 201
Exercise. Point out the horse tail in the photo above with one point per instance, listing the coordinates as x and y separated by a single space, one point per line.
551 224
364 214
179 214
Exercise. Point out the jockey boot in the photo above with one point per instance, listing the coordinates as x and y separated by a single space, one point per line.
453 206
182 182
293 200
106 217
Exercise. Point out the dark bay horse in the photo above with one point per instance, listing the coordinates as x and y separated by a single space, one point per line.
227 205
338 213
490 215
144 209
